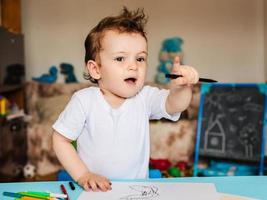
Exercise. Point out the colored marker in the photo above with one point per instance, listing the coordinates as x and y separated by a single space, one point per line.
27 198
35 195
63 189
174 76
47 194
12 194
21 196
72 185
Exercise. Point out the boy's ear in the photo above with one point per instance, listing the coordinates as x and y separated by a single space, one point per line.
93 69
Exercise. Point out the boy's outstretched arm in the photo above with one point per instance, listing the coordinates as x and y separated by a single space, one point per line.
70 160
181 88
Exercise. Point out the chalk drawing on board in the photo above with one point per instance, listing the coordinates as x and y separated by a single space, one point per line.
215 135
213 100
225 130
244 123
253 107
248 139
142 192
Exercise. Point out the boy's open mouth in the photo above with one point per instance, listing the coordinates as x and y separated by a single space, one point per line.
130 80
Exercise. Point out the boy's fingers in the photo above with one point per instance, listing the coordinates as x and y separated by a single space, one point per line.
193 75
180 81
104 186
95 183
176 66
93 186
86 186
101 186
108 185
176 60
190 75
105 183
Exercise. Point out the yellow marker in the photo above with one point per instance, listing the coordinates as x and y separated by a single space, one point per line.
2 107
27 198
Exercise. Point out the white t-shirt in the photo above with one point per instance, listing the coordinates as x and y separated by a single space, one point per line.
113 142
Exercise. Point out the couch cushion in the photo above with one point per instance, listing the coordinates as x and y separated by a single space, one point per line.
172 140
49 108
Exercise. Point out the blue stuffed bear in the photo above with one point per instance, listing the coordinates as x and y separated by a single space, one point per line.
171 47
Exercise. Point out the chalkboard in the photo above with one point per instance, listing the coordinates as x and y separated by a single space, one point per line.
231 121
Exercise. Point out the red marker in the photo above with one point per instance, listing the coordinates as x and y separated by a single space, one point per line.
63 189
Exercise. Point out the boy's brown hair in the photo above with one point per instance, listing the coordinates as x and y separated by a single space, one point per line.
127 21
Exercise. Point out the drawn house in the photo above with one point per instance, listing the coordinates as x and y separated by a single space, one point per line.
215 139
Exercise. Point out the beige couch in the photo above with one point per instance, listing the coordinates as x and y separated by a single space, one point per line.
169 140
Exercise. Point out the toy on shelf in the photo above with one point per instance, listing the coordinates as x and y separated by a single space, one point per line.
29 170
67 70
160 164
171 47
164 168
3 106
223 168
182 165
51 77
174 172
155 173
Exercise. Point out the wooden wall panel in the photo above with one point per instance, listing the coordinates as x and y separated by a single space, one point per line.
11 15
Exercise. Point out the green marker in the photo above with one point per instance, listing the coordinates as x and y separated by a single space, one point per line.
43 195
29 194
20 195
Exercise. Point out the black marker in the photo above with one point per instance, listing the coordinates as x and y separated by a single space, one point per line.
72 185
174 76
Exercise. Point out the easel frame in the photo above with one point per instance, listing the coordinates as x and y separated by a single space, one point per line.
204 89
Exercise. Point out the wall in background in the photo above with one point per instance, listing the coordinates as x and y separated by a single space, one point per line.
224 40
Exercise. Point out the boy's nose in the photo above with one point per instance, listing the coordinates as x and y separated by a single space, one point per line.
132 66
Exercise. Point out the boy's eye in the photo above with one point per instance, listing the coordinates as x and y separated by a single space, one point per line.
120 59
141 59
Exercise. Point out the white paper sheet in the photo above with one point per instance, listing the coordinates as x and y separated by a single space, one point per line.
155 191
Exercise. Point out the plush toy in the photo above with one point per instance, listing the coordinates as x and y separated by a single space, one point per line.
47 78
68 71
171 47
161 164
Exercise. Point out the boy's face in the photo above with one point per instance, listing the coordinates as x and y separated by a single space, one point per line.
123 63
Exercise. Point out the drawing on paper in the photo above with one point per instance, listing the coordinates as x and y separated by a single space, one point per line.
142 193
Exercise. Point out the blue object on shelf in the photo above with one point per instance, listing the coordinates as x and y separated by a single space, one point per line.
228 169
155 173
51 77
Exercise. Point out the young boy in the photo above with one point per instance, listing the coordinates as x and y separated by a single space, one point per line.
111 122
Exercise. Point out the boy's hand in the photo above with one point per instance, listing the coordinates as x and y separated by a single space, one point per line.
94 182
189 74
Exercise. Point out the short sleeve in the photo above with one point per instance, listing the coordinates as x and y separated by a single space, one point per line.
72 120
155 100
